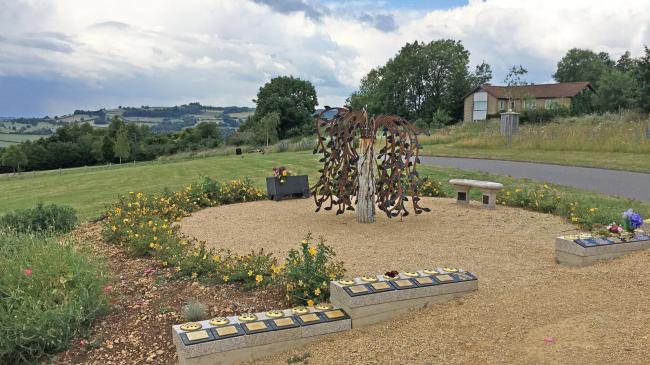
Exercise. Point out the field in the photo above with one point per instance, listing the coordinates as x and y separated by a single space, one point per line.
89 189
7 139
613 141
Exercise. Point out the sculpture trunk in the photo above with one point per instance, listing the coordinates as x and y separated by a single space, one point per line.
366 196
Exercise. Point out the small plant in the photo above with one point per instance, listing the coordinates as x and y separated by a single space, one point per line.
194 311
52 217
428 186
296 359
309 271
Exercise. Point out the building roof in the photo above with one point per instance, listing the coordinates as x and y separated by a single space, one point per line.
559 90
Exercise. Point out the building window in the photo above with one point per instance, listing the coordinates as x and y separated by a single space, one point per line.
479 106
502 105
551 103
530 104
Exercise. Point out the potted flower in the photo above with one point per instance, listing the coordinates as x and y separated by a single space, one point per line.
284 183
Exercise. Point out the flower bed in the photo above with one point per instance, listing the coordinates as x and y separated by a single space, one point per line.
145 225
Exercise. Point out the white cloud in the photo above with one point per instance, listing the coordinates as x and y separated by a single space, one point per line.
223 51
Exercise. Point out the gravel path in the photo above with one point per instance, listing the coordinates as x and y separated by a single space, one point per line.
633 185
596 314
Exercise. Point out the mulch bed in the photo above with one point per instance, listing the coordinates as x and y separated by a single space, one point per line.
145 301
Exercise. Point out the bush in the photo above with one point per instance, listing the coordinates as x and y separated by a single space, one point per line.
543 115
49 294
194 311
428 186
57 218
309 271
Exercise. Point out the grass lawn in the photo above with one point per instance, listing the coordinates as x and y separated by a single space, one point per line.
608 160
90 190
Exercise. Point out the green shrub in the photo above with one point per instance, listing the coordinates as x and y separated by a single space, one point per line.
428 186
309 271
57 218
543 115
194 311
49 294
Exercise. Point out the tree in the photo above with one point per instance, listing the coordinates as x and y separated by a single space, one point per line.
514 78
293 99
419 80
482 74
582 65
97 150
122 148
268 128
626 63
107 148
643 79
617 91
14 157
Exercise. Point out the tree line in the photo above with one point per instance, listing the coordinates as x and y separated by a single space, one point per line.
83 145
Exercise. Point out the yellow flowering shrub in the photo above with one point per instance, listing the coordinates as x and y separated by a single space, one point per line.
308 272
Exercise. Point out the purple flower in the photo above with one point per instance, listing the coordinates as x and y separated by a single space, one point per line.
636 221
631 220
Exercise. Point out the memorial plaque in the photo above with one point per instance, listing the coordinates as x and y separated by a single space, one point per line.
641 236
404 284
256 327
586 242
335 315
381 286
602 241
465 276
311 318
461 195
194 337
231 330
286 322
445 278
355 290
426 281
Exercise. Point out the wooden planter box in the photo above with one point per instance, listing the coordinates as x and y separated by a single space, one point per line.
293 186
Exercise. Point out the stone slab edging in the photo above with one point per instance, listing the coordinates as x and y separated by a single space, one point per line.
585 249
355 303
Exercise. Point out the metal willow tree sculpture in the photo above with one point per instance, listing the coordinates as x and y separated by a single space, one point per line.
348 174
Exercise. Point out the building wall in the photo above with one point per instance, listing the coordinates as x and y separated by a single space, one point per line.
493 105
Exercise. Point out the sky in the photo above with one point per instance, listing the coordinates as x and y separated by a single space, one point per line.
60 55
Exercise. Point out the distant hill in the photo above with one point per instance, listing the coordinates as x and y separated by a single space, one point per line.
160 119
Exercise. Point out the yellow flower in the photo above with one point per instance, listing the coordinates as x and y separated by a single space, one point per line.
259 278
574 219
164 263
310 302
114 228
317 292
250 272
226 278
312 251
216 258
194 275
593 210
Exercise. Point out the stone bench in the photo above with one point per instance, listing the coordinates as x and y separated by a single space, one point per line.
369 300
229 340
585 249
488 189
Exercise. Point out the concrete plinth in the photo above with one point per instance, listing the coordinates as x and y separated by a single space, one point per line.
385 298
568 252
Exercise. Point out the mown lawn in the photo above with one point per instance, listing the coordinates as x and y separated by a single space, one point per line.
90 190
608 160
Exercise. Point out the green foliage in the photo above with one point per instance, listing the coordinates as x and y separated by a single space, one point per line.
428 186
14 157
194 311
539 115
617 90
57 218
50 292
293 99
144 224
309 271
581 65
267 129
420 79
121 149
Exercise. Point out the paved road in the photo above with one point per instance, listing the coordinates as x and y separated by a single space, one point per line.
634 185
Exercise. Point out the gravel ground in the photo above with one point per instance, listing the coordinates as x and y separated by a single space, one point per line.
528 310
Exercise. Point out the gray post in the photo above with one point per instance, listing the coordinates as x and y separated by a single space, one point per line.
509 125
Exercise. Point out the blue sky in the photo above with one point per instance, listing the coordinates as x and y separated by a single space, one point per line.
61 55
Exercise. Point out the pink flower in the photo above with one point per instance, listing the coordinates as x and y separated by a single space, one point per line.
27 272
108 288
549 340
149 270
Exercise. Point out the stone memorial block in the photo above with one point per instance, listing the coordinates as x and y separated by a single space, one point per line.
585 249
367 301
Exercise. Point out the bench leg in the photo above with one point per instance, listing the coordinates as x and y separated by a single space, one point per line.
462 194
489 199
